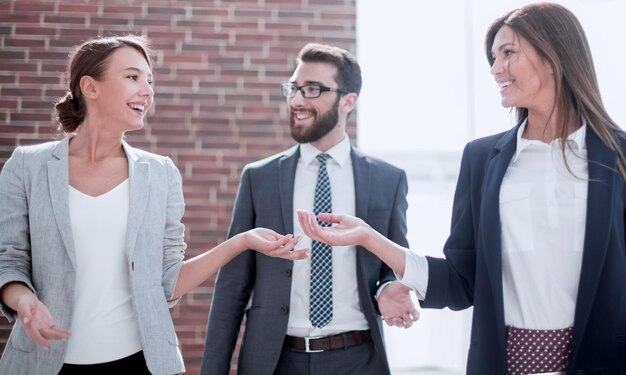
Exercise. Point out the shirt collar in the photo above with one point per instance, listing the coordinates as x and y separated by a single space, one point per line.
339 152
576 139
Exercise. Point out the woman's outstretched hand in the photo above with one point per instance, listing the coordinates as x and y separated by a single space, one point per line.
272 244
348 230
38 322
344 231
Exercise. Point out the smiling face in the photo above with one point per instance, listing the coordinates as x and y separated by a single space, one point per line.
125 94
524 78
312 119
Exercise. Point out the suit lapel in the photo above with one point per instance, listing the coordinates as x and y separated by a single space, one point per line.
490 231
362 183
362 189
602 167
139 182
58 182
286 180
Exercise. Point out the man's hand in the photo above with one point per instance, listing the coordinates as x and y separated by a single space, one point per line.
396 306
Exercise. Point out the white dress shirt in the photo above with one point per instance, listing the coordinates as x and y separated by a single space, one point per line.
104 326
543 209
347 314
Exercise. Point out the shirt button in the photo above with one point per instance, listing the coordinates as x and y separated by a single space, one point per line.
288 273
284 309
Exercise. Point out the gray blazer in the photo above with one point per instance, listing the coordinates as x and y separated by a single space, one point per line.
36 248
265 199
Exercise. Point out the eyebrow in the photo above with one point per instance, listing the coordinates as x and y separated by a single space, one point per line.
310 83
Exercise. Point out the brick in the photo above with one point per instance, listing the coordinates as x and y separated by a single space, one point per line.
78 8
30 117
209 12
20 42
18 129
168 11
240 26
110 21
48 55
33 6
52 80
196 23
34 30
297 14
124 9
37 104
78 20
19 18
5 78
163 22
19 92
7 104
257 13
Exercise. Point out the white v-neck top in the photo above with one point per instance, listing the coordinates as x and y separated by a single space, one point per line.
104 325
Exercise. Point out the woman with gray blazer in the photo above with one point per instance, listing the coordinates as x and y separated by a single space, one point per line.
91 239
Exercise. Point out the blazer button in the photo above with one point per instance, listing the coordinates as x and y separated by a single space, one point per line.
284 309
288 273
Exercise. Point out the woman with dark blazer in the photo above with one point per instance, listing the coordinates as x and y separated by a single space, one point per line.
537 242
91 239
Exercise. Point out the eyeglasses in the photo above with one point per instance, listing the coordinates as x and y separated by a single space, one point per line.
308 91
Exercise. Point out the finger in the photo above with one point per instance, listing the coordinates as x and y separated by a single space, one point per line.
329 218
54 333
298 254
293 241
37 337
291 255
415 315
307 223
283 240
394 322
303 219
407 322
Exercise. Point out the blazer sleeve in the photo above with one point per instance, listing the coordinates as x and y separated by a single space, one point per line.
233 288
397 224
451 280
15 256
173 239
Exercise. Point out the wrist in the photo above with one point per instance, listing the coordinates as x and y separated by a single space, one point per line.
240 242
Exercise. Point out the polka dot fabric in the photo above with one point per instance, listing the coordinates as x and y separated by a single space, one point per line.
535 351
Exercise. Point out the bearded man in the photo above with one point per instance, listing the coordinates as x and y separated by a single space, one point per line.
321 315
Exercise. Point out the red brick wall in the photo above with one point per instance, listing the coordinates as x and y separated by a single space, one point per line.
218 105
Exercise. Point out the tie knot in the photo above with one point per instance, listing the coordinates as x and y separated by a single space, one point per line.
323 158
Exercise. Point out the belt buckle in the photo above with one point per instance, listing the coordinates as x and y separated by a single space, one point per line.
307 348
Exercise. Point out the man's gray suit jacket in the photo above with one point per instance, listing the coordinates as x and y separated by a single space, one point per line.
265 199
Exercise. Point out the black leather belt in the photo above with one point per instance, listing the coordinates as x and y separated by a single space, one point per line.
320 344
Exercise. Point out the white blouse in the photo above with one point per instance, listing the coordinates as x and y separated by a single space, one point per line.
543 208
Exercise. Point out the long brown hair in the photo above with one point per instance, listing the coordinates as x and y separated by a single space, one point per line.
558 37
91 59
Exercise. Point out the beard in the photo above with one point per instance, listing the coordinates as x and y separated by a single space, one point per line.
320 127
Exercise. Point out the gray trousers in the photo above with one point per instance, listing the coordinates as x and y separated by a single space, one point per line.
359 359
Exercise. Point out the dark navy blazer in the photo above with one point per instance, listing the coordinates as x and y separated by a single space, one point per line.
471 274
